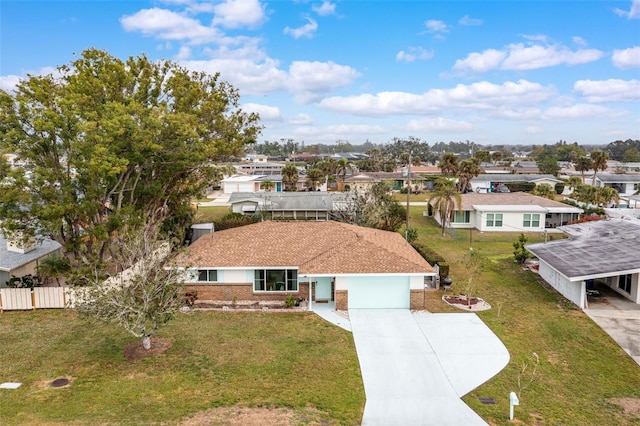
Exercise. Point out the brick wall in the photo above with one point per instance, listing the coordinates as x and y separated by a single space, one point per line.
416 302
242 291
342 300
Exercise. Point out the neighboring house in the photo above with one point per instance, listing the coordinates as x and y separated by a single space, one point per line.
605 251
511 212
354 266
260 168
241 183
19 260
625 184
289 205
365 180
492 182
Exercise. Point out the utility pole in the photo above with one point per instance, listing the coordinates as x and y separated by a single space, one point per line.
408 169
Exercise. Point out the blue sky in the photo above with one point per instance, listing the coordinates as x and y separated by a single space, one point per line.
492 72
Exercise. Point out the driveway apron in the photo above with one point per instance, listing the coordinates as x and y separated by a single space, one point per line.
415 369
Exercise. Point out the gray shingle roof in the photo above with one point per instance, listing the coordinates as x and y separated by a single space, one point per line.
508 177
594 248
615 178
10 260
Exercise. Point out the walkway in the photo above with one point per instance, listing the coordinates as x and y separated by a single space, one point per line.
415 367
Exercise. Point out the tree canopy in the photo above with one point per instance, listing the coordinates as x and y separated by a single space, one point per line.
112 145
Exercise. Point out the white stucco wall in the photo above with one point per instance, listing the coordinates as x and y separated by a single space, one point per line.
574 291
511 221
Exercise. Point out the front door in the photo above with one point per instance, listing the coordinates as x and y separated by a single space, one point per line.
323 289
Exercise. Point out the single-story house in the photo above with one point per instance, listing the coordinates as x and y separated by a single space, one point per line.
253 183
605 251
364 180
511 212
492 182
18 260
353 266
625 184
290 205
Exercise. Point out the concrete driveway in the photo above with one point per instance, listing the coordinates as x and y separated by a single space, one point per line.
619 318
416 366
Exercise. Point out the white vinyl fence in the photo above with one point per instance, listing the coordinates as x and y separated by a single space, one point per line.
12 299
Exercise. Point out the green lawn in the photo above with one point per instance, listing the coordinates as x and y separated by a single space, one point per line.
581 368
207 214
293 360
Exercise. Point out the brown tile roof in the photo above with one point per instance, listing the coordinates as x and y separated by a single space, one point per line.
323 247
506 199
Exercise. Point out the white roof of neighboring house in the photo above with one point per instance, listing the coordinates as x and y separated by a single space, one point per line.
513 178
298 201
514 202
594 249
10 260
618 177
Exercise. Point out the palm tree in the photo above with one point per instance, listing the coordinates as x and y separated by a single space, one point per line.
598 162
53 266
341 170
544 190
314 176
448 164
573 182
583 164
496 156
468 169
607 194
445 199
289 177
267 185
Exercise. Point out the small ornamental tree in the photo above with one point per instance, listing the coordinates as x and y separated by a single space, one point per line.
520 253
143 296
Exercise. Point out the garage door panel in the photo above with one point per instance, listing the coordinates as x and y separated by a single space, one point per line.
379 293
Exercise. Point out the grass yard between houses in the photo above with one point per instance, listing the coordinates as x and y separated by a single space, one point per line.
295 361
581 369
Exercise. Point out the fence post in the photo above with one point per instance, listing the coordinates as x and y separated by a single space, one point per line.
33 299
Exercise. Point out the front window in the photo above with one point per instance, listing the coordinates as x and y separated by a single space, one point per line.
207 275
624 283
462 217
275 280
531 220
494 219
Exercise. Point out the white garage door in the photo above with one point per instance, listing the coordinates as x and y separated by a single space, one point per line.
379 293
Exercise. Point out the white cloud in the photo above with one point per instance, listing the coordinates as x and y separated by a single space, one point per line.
469 21
480 62
184 53
579 41
301 119
239 14
534 57
477 96
9 82
520 57
576 112
354 129
414 53
612 90
633 13
306 30
310 80
267 113
438 125
168 25
326 8
248 76
627 58
435 26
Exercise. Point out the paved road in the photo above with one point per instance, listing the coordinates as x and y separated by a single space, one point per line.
416 366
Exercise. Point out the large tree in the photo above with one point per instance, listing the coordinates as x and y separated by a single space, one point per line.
583 164
290 177
373 208
112 145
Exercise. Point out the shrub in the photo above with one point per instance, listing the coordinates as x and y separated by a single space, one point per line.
520 186
233 220
289 301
